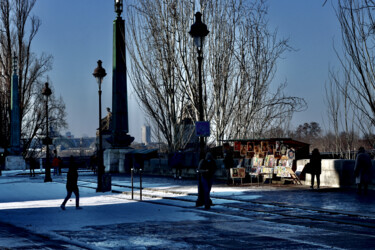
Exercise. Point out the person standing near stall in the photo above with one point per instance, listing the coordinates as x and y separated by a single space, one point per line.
362 170
315 167
206 169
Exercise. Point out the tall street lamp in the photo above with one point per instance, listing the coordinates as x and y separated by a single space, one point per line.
99 74
199 31
46 91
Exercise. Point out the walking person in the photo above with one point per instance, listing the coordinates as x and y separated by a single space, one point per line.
228 160
71 184
33 166
177 163
362 170
55 165
315 167
206 169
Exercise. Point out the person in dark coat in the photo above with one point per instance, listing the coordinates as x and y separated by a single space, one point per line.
206 169
71 184
315 167
228 160
33 165
362 170
177 163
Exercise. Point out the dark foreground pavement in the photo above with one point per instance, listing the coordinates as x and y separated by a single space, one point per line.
244 217
12 237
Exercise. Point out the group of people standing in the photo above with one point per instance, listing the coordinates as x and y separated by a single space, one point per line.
362 169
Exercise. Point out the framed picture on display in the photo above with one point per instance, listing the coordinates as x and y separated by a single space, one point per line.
291 154
264 145
277 146
256 148
283 149
243 150
237 146
249 154
250 147
270 149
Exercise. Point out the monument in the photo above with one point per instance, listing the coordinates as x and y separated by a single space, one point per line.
14 160
15 120
120 140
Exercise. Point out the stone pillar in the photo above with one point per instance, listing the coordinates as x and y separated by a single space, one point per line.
120 124
15 123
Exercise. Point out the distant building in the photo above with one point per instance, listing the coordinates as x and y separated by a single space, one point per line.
146 134
69 135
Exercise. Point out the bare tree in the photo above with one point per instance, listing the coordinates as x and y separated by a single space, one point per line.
18 28
240 58
357 61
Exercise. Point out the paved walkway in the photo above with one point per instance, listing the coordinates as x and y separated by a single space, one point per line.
266 216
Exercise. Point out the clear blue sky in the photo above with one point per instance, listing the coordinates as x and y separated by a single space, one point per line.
78 33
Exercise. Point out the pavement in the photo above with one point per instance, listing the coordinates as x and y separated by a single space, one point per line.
248 216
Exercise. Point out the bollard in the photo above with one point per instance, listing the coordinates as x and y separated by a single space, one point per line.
140 184
131 171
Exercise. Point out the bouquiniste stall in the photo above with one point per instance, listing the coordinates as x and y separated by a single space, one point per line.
270 159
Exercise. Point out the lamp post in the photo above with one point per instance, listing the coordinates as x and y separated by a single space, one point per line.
199 31
99 74
47 141
119 7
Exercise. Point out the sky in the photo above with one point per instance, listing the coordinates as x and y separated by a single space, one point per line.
79 33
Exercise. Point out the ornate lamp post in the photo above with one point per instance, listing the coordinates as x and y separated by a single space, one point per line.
119 7
199 31
47 141
99 74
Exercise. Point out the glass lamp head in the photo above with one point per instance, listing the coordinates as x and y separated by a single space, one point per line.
99 73
119 7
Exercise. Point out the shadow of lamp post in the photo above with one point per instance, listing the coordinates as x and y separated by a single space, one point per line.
47 141
99 74
199 31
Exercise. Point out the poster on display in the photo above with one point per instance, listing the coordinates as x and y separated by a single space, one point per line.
249 154
291 154
264 146
257 162
237 146
237 172
243 150
250 147
277 146
283 149
270 149
256 148
283 162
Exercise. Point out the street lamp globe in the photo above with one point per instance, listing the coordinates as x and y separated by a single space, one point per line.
198 31
46 91
118 7
99 73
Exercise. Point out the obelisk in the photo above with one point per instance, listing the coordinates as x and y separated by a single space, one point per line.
15 120
115 157
120 122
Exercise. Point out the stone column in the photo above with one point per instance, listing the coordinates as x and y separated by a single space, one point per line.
120 124
15 124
